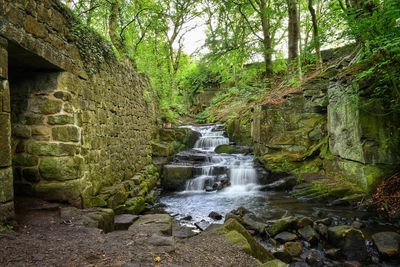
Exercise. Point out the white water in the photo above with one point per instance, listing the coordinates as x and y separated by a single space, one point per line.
240 168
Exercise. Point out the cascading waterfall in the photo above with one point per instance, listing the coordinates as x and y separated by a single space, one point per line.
239 169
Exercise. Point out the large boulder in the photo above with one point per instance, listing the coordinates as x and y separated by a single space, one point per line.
350 240
94 217
174 177
387 243
238 235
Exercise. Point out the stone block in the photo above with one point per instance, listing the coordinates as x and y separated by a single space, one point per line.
6 184
65 96
61 168
33 119
45 106
22 131
31 175
5 142
6 211
52 149
66 133
69 191
6 105
3 63
60 120
25 160
41 131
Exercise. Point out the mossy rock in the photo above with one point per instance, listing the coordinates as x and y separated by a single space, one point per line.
133 205
274 263
281 225
175 176
231 149
238 235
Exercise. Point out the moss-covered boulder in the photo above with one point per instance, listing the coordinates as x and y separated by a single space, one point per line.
232 149
235 233
350 240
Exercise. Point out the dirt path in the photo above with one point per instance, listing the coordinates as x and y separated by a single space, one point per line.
43 239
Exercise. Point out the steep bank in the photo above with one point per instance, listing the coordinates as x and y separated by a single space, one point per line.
327 126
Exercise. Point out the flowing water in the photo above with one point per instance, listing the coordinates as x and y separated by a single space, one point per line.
199 197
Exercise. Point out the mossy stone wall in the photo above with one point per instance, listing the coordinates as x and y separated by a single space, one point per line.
81 123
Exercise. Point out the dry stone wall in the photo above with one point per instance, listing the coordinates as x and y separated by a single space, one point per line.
82 123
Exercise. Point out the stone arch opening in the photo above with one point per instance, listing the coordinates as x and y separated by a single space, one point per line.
32 81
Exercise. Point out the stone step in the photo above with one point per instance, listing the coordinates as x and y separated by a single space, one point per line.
123 221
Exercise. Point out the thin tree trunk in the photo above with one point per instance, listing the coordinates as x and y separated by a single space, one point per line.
315 34
113 30
267 42
293 37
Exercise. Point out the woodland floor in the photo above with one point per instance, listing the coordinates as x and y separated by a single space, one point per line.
42 239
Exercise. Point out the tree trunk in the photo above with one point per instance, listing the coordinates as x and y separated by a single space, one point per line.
293 31
113 29
267 42
317 43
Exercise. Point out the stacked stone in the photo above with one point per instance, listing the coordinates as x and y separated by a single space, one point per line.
6 178
46 142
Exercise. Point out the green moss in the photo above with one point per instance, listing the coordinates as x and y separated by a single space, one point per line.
256 250
274 263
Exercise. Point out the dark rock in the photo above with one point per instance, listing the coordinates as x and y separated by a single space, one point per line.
187 218
283 184
357 224
123 221
309 234
250 221
387 243
350 240
285 237
299 264
294 249
215 216
352 264
202 225
174 177
232 149
322 229
333 253
303 222
282 255
181 231
315 258
210 189
326 221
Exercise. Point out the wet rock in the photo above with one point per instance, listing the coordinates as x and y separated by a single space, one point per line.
202 225
232 149
352 264
209 189
333 253
325 221
322 229
387 243
250 221
315 258
299 264
303 222
215 216
123 221
285 237
309 234
274 263
174 177
187 218
357 224
350 240
282 255
294 249
283 184
181 231
281 225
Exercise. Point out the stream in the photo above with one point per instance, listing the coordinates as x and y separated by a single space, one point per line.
199 199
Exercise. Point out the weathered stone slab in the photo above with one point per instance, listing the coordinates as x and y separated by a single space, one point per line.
52 149
61 168
69 191
66 133
5 143
6 211
159 224
45 106
60 119
6 185
175 176
123 221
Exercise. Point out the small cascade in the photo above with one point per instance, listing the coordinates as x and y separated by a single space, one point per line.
211 137
218 171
